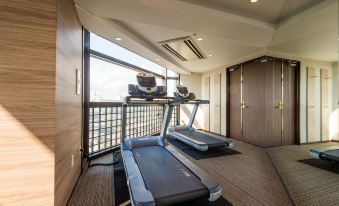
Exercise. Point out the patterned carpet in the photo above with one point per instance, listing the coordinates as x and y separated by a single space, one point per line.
305 181
96 186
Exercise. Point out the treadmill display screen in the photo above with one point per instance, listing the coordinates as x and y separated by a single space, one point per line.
146 81
182 90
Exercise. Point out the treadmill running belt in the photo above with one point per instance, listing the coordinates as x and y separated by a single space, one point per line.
166 177
332 154
201 137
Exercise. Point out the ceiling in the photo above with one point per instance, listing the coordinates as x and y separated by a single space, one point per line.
278 9
232 30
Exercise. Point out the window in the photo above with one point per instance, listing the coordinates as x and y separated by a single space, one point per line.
106 47
109 80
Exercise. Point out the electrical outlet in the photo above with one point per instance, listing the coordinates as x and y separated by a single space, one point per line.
72 164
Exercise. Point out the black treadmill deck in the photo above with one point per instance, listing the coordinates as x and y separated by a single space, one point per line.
166 177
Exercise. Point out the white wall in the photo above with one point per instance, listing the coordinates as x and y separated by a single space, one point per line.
193 83
211 74
334 116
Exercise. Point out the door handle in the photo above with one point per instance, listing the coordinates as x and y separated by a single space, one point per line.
280 105
243 105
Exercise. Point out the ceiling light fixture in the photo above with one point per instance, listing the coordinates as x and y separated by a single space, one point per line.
118 38
210 55
253 1
200 39
157 59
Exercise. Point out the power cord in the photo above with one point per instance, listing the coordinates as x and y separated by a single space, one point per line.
115 161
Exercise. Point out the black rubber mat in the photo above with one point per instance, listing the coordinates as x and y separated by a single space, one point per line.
322 164
204 202
196 154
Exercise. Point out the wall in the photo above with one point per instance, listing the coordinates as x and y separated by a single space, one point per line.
304 64
334 118
68 103
303 88
27 102
211 74
40 115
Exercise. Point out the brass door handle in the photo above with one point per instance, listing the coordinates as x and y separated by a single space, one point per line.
243 105
279 105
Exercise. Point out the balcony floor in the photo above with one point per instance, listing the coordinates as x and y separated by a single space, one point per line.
246 179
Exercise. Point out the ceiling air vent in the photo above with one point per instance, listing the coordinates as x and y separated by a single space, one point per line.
183 48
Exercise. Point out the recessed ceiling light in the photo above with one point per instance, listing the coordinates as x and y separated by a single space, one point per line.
157 59
200 39
118 38
210 55
253 1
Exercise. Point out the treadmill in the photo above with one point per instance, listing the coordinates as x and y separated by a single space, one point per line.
199 140
330 153
156 173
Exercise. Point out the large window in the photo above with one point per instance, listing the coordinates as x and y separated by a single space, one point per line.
109 80
109 69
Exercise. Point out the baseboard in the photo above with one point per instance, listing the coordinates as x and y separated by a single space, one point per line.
317 142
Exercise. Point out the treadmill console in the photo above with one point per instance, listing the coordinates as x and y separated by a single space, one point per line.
182 92
147 86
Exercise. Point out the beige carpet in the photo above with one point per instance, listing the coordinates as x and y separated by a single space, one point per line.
307 185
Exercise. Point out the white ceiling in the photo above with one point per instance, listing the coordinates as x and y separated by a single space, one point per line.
231 30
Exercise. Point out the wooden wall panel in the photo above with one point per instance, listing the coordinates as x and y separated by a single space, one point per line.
254 97
234 101
273 89
289 114
68 103
27 99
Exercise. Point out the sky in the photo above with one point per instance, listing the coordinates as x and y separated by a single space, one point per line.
109 82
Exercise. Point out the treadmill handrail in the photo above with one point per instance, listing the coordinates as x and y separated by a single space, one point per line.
145 100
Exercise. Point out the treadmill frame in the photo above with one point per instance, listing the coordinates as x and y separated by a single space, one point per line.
140 195
171 132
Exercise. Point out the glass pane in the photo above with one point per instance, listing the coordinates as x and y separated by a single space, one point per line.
109 82
171 87
109 48
171 73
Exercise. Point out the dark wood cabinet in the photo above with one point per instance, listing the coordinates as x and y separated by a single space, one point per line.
262 101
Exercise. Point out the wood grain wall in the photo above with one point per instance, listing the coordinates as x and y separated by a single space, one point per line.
40 113
27 101
68 103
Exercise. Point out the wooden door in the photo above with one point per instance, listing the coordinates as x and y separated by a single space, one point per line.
217 104
234 124
254 103
324 105
311 106
206 107
289 114
273 102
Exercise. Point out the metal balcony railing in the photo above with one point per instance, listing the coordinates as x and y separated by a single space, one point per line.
105 123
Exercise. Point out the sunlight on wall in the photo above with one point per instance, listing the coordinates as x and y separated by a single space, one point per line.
185 114
334 124
26 166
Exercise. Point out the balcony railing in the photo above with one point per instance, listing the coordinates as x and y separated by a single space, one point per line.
105 123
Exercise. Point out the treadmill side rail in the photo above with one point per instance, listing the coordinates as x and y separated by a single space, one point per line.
212 185
137 189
